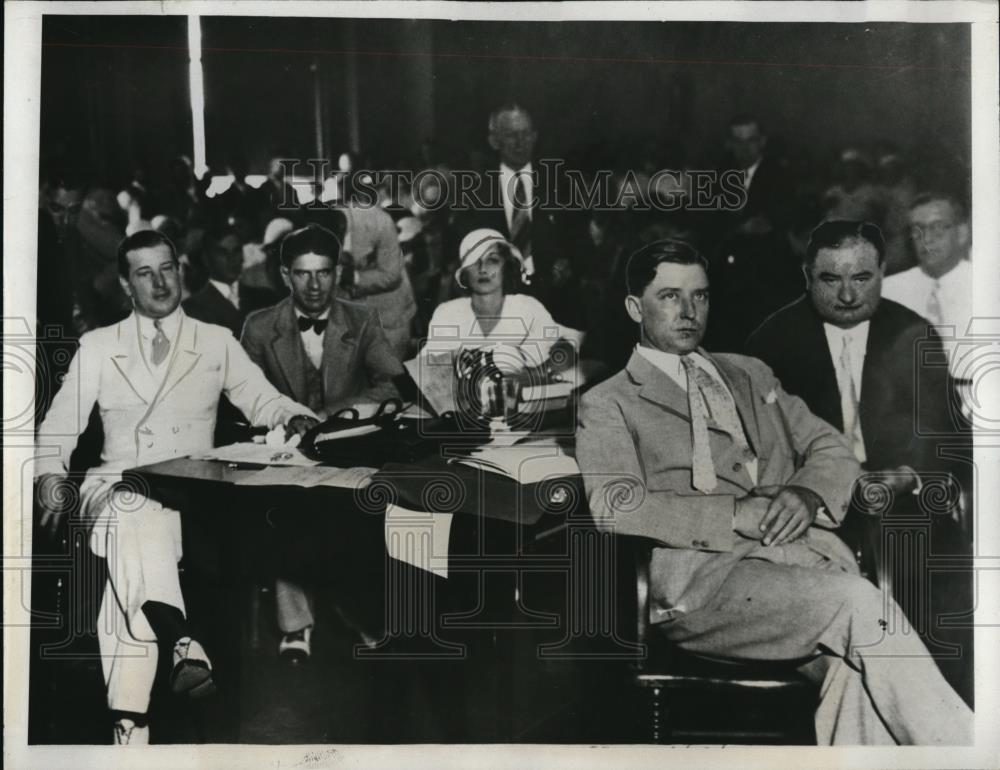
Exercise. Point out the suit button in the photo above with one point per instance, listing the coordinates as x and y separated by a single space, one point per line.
149 445
175 429
696 543
737 467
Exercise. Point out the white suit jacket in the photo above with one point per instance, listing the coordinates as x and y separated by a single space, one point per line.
149 418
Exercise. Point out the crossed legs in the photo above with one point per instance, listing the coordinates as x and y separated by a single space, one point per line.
876 687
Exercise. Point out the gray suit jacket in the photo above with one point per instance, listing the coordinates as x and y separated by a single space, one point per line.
357 362
634 449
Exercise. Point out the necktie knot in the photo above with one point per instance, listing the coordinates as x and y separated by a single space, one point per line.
318 325
161 345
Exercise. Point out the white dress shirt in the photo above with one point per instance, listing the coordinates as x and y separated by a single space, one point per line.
857 346
169 325
312 341
230 291
748 174
913 288
670 364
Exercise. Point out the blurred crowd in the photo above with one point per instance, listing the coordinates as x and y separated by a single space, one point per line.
228 230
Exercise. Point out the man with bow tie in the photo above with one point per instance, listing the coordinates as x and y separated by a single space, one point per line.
326 352
740 487
156 378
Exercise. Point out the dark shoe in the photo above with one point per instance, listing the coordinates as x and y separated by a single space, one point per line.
128 733
296 647
192 672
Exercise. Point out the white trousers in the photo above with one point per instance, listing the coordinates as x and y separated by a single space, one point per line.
141 541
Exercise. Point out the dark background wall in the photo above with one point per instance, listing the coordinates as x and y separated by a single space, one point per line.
116 88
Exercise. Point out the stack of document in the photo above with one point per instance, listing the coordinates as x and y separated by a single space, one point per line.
525 463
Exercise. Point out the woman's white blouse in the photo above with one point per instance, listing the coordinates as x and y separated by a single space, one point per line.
523 336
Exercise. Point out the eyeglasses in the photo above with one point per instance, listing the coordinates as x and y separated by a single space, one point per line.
932 230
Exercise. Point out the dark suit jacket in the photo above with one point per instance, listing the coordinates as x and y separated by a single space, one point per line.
903 399
752 275
357 362
548 226
208 305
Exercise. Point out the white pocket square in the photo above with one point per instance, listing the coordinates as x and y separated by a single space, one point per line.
771 397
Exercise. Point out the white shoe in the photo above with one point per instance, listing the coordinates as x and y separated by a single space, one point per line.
296 646
192 672
128 733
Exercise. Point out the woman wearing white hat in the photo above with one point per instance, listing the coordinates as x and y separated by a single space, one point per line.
518 327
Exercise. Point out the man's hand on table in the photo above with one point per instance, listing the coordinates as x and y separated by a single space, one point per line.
298 425
53 497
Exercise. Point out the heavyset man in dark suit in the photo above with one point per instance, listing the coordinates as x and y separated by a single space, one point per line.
861 363
330 353
740 486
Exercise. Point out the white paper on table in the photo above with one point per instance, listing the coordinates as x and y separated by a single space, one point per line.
311 476
527 463
257 454
419 538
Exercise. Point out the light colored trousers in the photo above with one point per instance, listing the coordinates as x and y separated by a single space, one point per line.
875 687
294 606
141 541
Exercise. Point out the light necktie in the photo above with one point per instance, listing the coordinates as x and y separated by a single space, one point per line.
520 218
161 345
934 314
849 401
234 294
709 398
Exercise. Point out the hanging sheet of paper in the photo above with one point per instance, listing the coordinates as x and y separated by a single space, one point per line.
419 538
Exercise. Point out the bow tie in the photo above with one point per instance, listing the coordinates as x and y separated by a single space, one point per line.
318 325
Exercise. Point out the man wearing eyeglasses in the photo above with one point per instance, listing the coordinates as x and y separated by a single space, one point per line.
939 288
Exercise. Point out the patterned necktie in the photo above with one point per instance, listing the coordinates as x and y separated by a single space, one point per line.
520 217
849 402
934 314
707 398
161 345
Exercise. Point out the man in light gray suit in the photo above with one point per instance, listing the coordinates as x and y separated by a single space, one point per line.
156 378
741 488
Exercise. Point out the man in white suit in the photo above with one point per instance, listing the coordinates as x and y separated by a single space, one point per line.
156 378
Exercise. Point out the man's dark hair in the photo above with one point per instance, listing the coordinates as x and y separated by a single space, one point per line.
834 233
641 268
931 196
745 119
311 239
144 239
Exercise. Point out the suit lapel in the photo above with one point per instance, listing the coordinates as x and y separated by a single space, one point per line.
742 389
288 350
338 349
657 387
880 340
130 363
227 312
183 359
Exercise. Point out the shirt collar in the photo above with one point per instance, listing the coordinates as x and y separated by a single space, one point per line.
856 334
506 171
225 289
169 324
322 316
954 278
670 363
